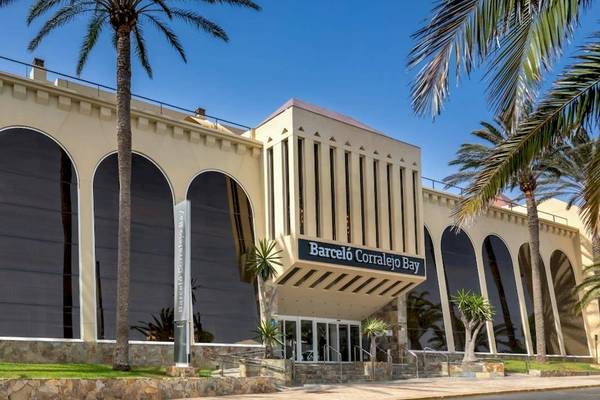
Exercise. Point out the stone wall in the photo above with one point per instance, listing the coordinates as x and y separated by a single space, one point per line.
141 354
131 389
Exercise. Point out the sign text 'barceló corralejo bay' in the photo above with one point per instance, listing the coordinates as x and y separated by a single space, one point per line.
311 250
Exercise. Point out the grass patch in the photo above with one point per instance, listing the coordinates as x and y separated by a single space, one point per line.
519 366
89 371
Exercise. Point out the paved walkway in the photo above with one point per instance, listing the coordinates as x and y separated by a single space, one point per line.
437 388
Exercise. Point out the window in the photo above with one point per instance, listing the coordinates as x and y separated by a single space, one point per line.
151 270
390 208
460 269
301 183
376 199
317 153
502 293
333 194
286 183
425 319
415 182
363 221
402 220
39 262
348 197
271 194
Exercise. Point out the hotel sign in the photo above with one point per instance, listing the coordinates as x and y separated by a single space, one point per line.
311 250
182 280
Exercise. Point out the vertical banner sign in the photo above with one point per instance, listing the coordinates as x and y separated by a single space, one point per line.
183 290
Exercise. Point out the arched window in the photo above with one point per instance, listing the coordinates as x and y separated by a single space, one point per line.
151 272
225 302
502 293
425 316
39 262
549 325
571 323
460 269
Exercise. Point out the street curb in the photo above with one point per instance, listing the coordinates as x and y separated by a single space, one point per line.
509 391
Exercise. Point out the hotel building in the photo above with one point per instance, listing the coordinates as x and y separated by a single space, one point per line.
362 234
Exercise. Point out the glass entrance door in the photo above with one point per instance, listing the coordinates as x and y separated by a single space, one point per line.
320 339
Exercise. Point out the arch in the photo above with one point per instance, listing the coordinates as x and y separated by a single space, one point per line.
571 323
502 294
151 270
460 270
39 232
425 322
225 301
552 345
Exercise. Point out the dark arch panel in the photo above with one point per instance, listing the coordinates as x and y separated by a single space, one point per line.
151 274
425 317
460 270
225 301
39 260
502 294
571 323
552 346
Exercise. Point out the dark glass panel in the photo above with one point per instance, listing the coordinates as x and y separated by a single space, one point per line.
306 340
425 317
344 337
322 341
290 339
502 294
460 270
225 305
549 325
355 342
39 263
571 322
151 273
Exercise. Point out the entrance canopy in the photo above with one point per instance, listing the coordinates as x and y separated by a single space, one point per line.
329 280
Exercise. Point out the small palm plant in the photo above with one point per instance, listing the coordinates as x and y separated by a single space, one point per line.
269 334
262 262
373 328
474 312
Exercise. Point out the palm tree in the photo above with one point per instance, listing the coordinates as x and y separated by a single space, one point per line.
471 159
474 311
127 19
262 262
373 328
269 334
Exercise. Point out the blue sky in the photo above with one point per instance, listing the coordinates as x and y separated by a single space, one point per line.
345 55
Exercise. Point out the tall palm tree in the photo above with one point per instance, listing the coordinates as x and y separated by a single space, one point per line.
471 159
127 20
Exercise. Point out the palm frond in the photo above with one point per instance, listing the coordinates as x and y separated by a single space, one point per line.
140 50
574 100
240 3
170 36
60 18
590 207
201 23
40 7
94 30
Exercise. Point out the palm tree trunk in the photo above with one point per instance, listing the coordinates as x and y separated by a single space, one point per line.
596 248
121 353
533 225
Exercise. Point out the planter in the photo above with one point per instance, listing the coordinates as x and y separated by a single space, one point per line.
479 369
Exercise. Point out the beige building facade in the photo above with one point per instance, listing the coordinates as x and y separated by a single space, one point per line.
360 234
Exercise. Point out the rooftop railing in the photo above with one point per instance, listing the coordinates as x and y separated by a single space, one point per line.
435 184
16 65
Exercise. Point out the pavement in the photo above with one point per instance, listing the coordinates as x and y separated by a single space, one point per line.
434 388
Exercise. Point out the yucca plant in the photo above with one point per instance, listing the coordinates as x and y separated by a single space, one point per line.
373 328
474 311
262 261
269 334
127 20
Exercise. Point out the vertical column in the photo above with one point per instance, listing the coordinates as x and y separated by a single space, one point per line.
409 212
402 321
355 198
87 271
340 187
293 174
384 222
477 246
550 283
419 208
310 226
278 188
326 225
369 202
439 263
396 210
522 303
